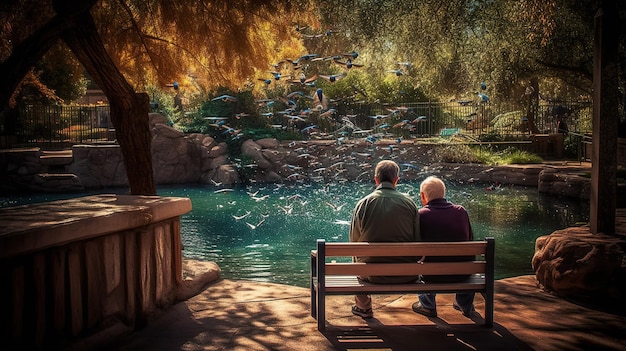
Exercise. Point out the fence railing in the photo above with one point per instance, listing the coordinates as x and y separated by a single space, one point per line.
39 125
425 119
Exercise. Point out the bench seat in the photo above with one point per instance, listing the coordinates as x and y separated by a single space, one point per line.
350 284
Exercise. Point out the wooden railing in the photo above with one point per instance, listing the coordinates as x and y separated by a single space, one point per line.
75 268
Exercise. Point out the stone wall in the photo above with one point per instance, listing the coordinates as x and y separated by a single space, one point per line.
177 158
197 158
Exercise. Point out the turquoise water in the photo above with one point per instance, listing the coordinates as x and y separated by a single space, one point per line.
265 233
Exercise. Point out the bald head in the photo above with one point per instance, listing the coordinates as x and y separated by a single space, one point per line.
432 188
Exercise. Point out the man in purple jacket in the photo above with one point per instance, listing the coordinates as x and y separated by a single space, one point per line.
441 220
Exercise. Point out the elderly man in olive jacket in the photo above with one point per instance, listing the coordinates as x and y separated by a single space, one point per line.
385 215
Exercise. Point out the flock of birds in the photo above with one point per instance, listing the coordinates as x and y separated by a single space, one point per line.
295 115
287 112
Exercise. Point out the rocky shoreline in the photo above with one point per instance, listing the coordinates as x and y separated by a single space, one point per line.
180 158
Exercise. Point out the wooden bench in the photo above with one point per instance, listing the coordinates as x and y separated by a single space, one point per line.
340 278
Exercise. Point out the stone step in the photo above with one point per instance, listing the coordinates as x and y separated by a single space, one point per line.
61 182
56 158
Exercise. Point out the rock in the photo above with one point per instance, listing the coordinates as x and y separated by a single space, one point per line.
268 143
166 131
273 156
250 148
575 264
226 174
553 181
196 276
272 177
208 142
218 150
218 161
57 182
157 118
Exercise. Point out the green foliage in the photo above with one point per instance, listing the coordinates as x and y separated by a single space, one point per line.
513 156
457 153
163 102
462 153
61 72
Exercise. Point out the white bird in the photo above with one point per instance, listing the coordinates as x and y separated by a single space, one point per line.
222 191
342 222
286 209
261 198
241 217
252 226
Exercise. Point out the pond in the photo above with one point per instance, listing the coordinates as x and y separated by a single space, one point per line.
265 232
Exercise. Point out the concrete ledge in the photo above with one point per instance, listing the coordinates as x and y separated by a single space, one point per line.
30 228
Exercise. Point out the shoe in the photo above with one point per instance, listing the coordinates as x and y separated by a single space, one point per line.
465 313
362 313
418 308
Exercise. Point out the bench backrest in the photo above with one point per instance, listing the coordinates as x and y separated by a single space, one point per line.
484 249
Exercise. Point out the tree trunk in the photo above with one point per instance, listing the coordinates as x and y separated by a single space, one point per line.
129 110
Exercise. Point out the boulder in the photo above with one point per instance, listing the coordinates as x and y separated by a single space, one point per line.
208 142
272 177
196 276
218 150
226 174
273 156
218 161
167 131
250 148
553 181
268 143
576 264
157 118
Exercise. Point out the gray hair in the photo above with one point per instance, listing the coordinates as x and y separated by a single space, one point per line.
387 171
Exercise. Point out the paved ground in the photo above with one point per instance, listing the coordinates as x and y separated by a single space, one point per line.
244 315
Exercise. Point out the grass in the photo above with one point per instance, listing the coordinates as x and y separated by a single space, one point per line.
472 154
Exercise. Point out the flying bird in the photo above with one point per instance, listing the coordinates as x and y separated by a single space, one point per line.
319 99
306 57
397 72
352 54
482 97
225 98
304 80
332 78
348 63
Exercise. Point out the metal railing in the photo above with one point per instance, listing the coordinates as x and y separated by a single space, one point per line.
41 125
426 119
38 125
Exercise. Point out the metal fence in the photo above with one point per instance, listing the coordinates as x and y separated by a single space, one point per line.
427 119
71 124
40 125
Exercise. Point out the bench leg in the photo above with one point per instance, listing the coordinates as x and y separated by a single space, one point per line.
489 300
313 301
321 311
